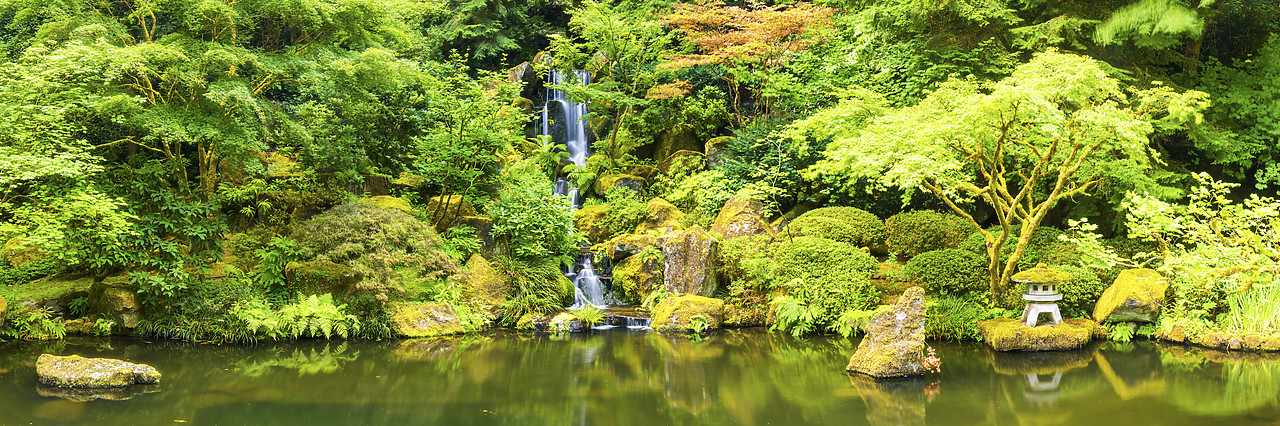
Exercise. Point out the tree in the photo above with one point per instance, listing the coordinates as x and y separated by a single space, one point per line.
1057 128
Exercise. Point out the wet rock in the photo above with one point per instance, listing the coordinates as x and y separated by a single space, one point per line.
741 216
894 344
1008 334
483 285
1136 296
565 321
636 276
94 394
389 202
676 313
590 221
443 211
606 182
689 263
77 372
425 320
319 277
120 304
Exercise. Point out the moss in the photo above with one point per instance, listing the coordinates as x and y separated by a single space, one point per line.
55 287
425 320
78 372
389 202
818 258
674 313
742 216
636 276
608 181
19 251
318 277
949 272
1008 334
590 221
689 262
4 307
663 216
915 232
685 160
1042 274
565 321
484 284
1136 295
845 224
442 211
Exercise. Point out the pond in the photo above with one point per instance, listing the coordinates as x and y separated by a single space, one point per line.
623 377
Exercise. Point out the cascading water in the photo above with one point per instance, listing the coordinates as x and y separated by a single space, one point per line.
563 119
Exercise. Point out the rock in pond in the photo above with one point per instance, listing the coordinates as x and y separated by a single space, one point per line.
676 313
78 372
425 320
689 262
894 344
1008 334
1136 296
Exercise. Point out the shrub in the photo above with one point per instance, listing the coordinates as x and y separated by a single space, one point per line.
812 258
531 222
375 242
29 271
625 211
915 232
1080 295
845 224
540 287
822 279
1044 247
951 272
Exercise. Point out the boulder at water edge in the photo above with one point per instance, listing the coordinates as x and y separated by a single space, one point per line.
741 216
78 372
894 344
425 320
689 262
635 277
1008 334
1136 296
677 313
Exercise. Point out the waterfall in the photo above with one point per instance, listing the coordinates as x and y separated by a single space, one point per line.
587 287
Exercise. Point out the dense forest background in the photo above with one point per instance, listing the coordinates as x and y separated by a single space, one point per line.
171 141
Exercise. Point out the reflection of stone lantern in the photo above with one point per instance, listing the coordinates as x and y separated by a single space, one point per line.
1042 293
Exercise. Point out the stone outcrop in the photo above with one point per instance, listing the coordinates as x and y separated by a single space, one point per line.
565 321
606 182
1008 334
894 344
318 277
116 303
484 230
741 216
443 211
689 263
663 217
389 202
77 372
676 313
1136 296
425 320
682 138
682 160
716 150
636 276
20 251
590 221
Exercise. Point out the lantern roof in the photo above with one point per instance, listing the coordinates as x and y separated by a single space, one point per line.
1041 274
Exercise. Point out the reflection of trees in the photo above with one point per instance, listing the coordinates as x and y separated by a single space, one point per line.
311 361
1230 387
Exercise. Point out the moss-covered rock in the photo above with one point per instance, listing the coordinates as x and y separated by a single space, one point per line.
742 216
443 211
636 276
682 160
681 138
1136 296
894 344
20 251
483 285
645 171
319 277
914 232
78 372
716 150
389 202
116 303
677 313
689 262
565 321
663 217
590 221
845 224
4 307
606 182
425 320
1008 334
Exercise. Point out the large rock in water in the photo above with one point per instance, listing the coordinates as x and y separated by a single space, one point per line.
894 344
425 320
741 216
677 313
1136 296
689 263
1008 334
78 372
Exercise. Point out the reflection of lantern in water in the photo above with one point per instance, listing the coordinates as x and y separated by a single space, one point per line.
1042 293
1041 392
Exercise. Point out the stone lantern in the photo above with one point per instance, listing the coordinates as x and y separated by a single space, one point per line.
1042 293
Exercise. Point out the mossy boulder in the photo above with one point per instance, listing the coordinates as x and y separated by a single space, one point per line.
629 244
635 276
914 232
689 262
565 321
1009 334
645 171
4 307
663 217
716 150
1136 296
681 138
319 277
682 161
484 230
425 320
606 182
77 372
845 224
676 313
590 221
483 285
741 216
116 303
20 251
389 202
443 211
894 344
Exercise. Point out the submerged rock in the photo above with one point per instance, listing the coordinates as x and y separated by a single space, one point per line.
1008 334
676 313
894 344
78 372
425 320
689 263
1136 296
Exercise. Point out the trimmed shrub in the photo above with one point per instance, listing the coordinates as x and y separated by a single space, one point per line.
1079 296
844 224
823 279
915 232
952 272
1044 247
818 258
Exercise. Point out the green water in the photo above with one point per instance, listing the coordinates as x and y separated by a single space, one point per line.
620 377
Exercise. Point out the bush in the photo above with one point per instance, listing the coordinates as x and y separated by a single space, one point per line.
376 243
845 224
531 222
540 288
1079 296
817 258
915 232
951 272
823 279
1045 247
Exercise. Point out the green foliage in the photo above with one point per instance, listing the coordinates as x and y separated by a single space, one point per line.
272 260
949 272
844 224
589 315
375 243
1245 94
956 318
915 232
626 210
1153 24
540 287
460 242
1120 332
311 316
653 298
1080 295
822 279
29 271
855 320
531 222
812 258
31 324
1256 310
699 323
324 361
